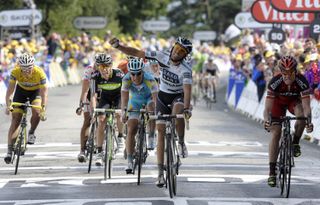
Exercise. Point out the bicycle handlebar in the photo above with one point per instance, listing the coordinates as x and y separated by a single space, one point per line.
166 116
104 110
27 104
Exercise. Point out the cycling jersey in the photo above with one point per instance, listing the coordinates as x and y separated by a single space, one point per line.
139 95
286 97
210 68
298 89
36 80
172 77
108 88
87 74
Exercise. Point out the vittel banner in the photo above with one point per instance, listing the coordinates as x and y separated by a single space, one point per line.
297 5
263 12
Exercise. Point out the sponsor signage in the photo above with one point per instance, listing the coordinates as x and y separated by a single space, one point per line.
205 35
315 29
156 25
245 20
20 17
263 12
90 22
277 35
17 32
296 5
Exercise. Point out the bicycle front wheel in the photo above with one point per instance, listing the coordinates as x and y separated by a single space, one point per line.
171 171
141 153
108 153
18 148
288 167
90 145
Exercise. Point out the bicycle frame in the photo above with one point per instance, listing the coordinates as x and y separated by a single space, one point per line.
20 144
172 155
110 138
285 159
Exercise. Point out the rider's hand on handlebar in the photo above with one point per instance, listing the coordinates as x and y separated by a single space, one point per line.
187 113
309 127
43 116
124 117
267 125
8 110
80 108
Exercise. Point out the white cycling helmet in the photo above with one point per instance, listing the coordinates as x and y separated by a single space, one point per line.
26 60
136 65
102 58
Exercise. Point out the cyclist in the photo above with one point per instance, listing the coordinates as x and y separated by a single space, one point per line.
138 88
288 90
175 90
26 81
211 69
99 59
107 82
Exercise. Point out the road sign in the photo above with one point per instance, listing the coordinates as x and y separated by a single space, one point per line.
90 22
20 17
245 20
277 35
205 35
263 12
315 29
156 25
296 5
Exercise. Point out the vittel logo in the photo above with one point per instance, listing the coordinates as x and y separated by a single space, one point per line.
263 12
296 5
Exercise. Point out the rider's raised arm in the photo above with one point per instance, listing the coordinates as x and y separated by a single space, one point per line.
126 49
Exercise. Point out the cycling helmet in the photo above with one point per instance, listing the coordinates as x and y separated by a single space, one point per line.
135 65
185 43
102 58
26 60
288 63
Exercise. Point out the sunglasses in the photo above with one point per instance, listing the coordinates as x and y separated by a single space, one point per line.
136 74
104 66
26 68
180 49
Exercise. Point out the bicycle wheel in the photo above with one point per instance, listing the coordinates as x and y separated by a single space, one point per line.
281 166
288 166
18 149
90 144
170 168
108 153
111 151
140 152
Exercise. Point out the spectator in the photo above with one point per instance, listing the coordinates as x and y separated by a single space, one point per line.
258 75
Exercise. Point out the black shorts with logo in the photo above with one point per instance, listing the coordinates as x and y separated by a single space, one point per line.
165 102
21 95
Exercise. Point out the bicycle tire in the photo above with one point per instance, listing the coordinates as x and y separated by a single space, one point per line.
140 154
169 167
288 167
281 165
17 150
111 151
106 153
90 147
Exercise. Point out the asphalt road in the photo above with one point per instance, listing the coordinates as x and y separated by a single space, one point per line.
227 164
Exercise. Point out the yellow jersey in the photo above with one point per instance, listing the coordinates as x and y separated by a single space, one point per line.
36 80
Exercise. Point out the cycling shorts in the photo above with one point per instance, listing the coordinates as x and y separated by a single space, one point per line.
21 95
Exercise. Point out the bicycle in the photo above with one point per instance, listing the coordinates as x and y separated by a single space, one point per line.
90 146
141 150
285 160
211 91
20 145
171 149
111 141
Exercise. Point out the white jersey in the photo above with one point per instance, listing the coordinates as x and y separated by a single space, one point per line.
172 78
88 72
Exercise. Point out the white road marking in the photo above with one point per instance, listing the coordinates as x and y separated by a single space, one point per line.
33 185
204 179
229 203
176 201
189 143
